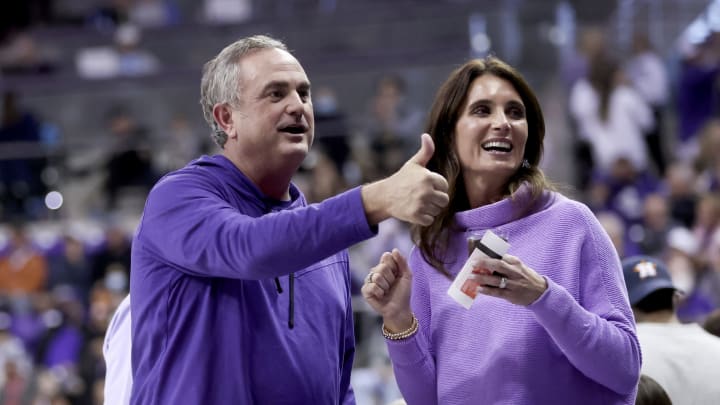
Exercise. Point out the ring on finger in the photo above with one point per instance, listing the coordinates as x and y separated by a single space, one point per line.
503 282
369 277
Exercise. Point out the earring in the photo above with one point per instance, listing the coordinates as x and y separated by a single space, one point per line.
525 164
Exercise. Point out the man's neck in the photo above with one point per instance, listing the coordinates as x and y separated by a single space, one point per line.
273 183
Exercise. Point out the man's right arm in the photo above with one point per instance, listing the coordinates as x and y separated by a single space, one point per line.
187 224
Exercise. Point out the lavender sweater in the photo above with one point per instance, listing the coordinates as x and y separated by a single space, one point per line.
575 345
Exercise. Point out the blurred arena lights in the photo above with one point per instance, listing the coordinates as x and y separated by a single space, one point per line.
54 200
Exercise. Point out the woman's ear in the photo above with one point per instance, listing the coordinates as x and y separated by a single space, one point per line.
224 119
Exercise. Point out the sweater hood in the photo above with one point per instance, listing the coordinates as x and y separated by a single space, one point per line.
241 184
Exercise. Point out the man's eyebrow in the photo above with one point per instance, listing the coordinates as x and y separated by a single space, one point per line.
280 84
276 84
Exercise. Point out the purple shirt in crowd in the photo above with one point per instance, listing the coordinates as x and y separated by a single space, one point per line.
575 345
210 323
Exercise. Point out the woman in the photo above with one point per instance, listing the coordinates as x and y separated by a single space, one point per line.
551 322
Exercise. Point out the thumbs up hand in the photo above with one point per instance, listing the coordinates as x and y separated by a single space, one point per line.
413 193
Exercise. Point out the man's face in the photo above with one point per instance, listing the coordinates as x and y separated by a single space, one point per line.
273 126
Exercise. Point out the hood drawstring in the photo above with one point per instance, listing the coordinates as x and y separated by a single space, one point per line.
291 306
291 299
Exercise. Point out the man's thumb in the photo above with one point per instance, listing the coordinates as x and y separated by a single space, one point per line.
427 148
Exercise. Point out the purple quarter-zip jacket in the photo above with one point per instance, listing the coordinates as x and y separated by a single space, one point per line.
241 299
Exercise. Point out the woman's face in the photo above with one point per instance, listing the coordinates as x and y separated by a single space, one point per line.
492 130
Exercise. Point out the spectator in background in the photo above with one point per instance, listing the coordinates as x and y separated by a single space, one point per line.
154 13
325 179
130 160
680 183
707 232
132 59
392 124
71 267
611 116
110 14
20 163
648 76
682 358
23 269
179 144
115 348
712 323
23 54
656 224
680 255
622 190
12 350
111 263
651 393
615 228
227 11
697 93
331 127
591 44
707 163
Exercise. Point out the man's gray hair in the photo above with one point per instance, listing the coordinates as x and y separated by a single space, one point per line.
221 78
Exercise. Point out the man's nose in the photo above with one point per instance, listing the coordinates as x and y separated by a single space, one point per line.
295 104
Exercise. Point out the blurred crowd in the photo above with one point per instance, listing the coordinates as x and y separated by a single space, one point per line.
644 129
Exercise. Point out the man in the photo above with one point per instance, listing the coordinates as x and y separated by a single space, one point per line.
240 290
682 358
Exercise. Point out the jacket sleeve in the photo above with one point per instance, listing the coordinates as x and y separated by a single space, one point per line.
596 334
190 226
412 358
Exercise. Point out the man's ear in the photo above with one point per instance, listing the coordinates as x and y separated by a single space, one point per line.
223 117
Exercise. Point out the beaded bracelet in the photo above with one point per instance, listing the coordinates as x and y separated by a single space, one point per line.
404 334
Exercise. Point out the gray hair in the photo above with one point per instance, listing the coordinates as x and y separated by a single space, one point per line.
221 78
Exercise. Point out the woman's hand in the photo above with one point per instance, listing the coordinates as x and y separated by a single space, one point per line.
387 289
510 279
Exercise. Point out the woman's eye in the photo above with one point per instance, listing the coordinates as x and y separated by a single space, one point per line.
516 113
482 110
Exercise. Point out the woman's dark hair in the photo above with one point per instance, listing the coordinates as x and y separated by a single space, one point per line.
444 115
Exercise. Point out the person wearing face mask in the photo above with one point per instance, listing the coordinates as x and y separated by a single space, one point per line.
548 321
240 290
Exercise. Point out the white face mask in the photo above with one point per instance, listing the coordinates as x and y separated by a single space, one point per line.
116 280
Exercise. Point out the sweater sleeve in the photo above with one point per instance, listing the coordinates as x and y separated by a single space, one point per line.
597 334
412 358
192 227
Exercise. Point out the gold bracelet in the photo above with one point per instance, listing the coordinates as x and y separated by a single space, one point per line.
404 334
